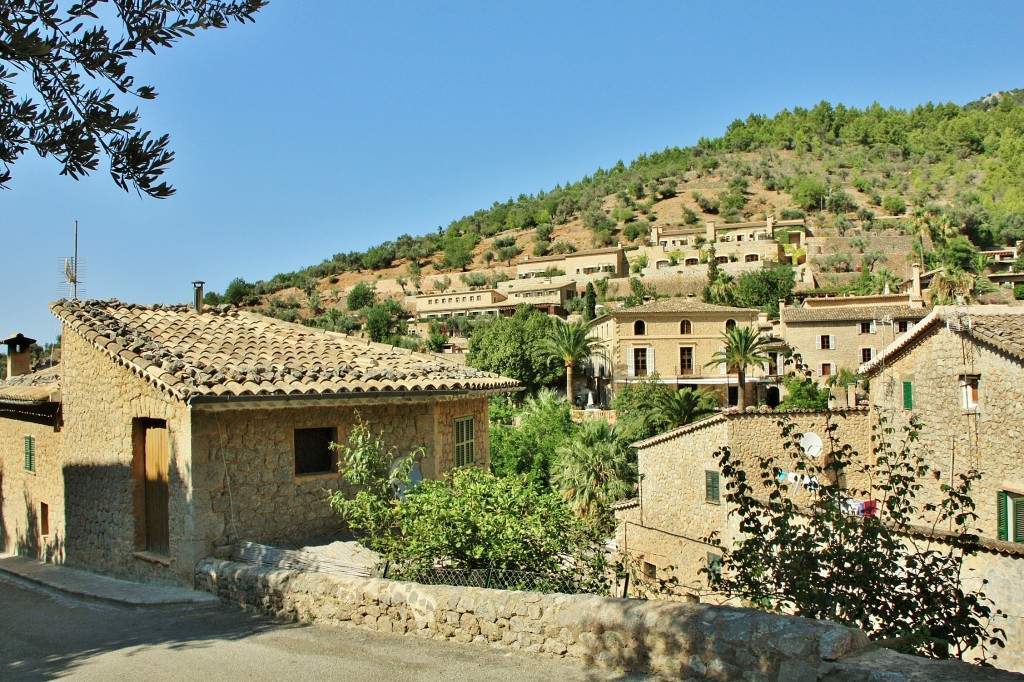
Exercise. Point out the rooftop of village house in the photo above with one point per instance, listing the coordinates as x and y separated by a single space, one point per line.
225 352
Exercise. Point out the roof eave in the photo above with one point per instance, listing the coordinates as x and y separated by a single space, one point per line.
213 403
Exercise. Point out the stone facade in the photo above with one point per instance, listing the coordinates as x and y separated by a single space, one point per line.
674 339
667 526
688 641
580 267
954 437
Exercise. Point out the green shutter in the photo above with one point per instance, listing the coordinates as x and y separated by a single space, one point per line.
1018 519
711 486
908 395
1001 514
30 453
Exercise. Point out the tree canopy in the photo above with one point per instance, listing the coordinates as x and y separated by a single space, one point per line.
63 106
511 346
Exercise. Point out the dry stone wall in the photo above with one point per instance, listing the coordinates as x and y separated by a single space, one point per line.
22 492
686 641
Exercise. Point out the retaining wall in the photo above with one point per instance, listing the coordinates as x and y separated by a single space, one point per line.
687 641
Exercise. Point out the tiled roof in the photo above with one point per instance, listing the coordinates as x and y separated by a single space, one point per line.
41 386
841 313
574 254
1005 332
684 304
224 353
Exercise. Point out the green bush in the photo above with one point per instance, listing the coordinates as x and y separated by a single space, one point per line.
894 204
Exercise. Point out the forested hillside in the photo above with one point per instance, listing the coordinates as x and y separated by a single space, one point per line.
952 171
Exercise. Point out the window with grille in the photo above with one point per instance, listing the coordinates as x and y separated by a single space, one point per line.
1010 514
464 441
711 486
30 453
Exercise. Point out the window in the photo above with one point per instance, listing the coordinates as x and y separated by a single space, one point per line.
1010 515
639 328
641 362
908 395
650 571
750 258
714 560
313 453
969 391
463 441
685 327
867 327
686 360
826 342
30 453
904 326
826 369
730 324
867 354
711 492
691 261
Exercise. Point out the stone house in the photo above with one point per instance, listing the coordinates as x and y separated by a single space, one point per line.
750 243
960 371
680 500
546 295
671 340
580 266
835 333
175 433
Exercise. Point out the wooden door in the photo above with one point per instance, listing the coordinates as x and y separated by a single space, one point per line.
156 458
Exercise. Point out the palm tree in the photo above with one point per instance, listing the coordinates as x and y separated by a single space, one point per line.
744 346
679 408
593 469
571 344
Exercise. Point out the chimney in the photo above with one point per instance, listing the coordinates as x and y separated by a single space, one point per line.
915 284
197 296
19 360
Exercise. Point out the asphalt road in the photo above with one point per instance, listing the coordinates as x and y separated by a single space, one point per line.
44 636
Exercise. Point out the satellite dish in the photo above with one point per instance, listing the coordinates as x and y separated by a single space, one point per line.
811 444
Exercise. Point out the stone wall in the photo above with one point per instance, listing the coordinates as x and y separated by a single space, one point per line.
244 473
101 400
954 439
23 492
691 641
674 515
849 342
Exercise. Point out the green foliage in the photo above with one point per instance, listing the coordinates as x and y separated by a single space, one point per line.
524 441
594 469
808 193
442 283
673 409
511 346
385 321
764 288
571 345
742 347
803 394
473 519
817 561
634 404
458 252
239 292
639 264
894 204
1018 292
590 298
552 271
792 214
67 50
560 248
474 279
361 296
638 291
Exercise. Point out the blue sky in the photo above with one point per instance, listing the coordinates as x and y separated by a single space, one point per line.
330 126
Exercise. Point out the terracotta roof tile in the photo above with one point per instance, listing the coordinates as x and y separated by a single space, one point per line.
224 352
841 313
682 305
40 386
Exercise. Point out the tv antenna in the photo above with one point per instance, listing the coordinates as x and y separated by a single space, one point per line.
72 273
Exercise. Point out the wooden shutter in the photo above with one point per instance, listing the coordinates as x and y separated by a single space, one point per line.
630 370
711 486
1001 500
1018 519
30 453
650 361
831 342
817 342
157 460
908 395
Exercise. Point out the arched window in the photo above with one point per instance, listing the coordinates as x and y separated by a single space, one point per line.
685 327
730 324
639 328
750 258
